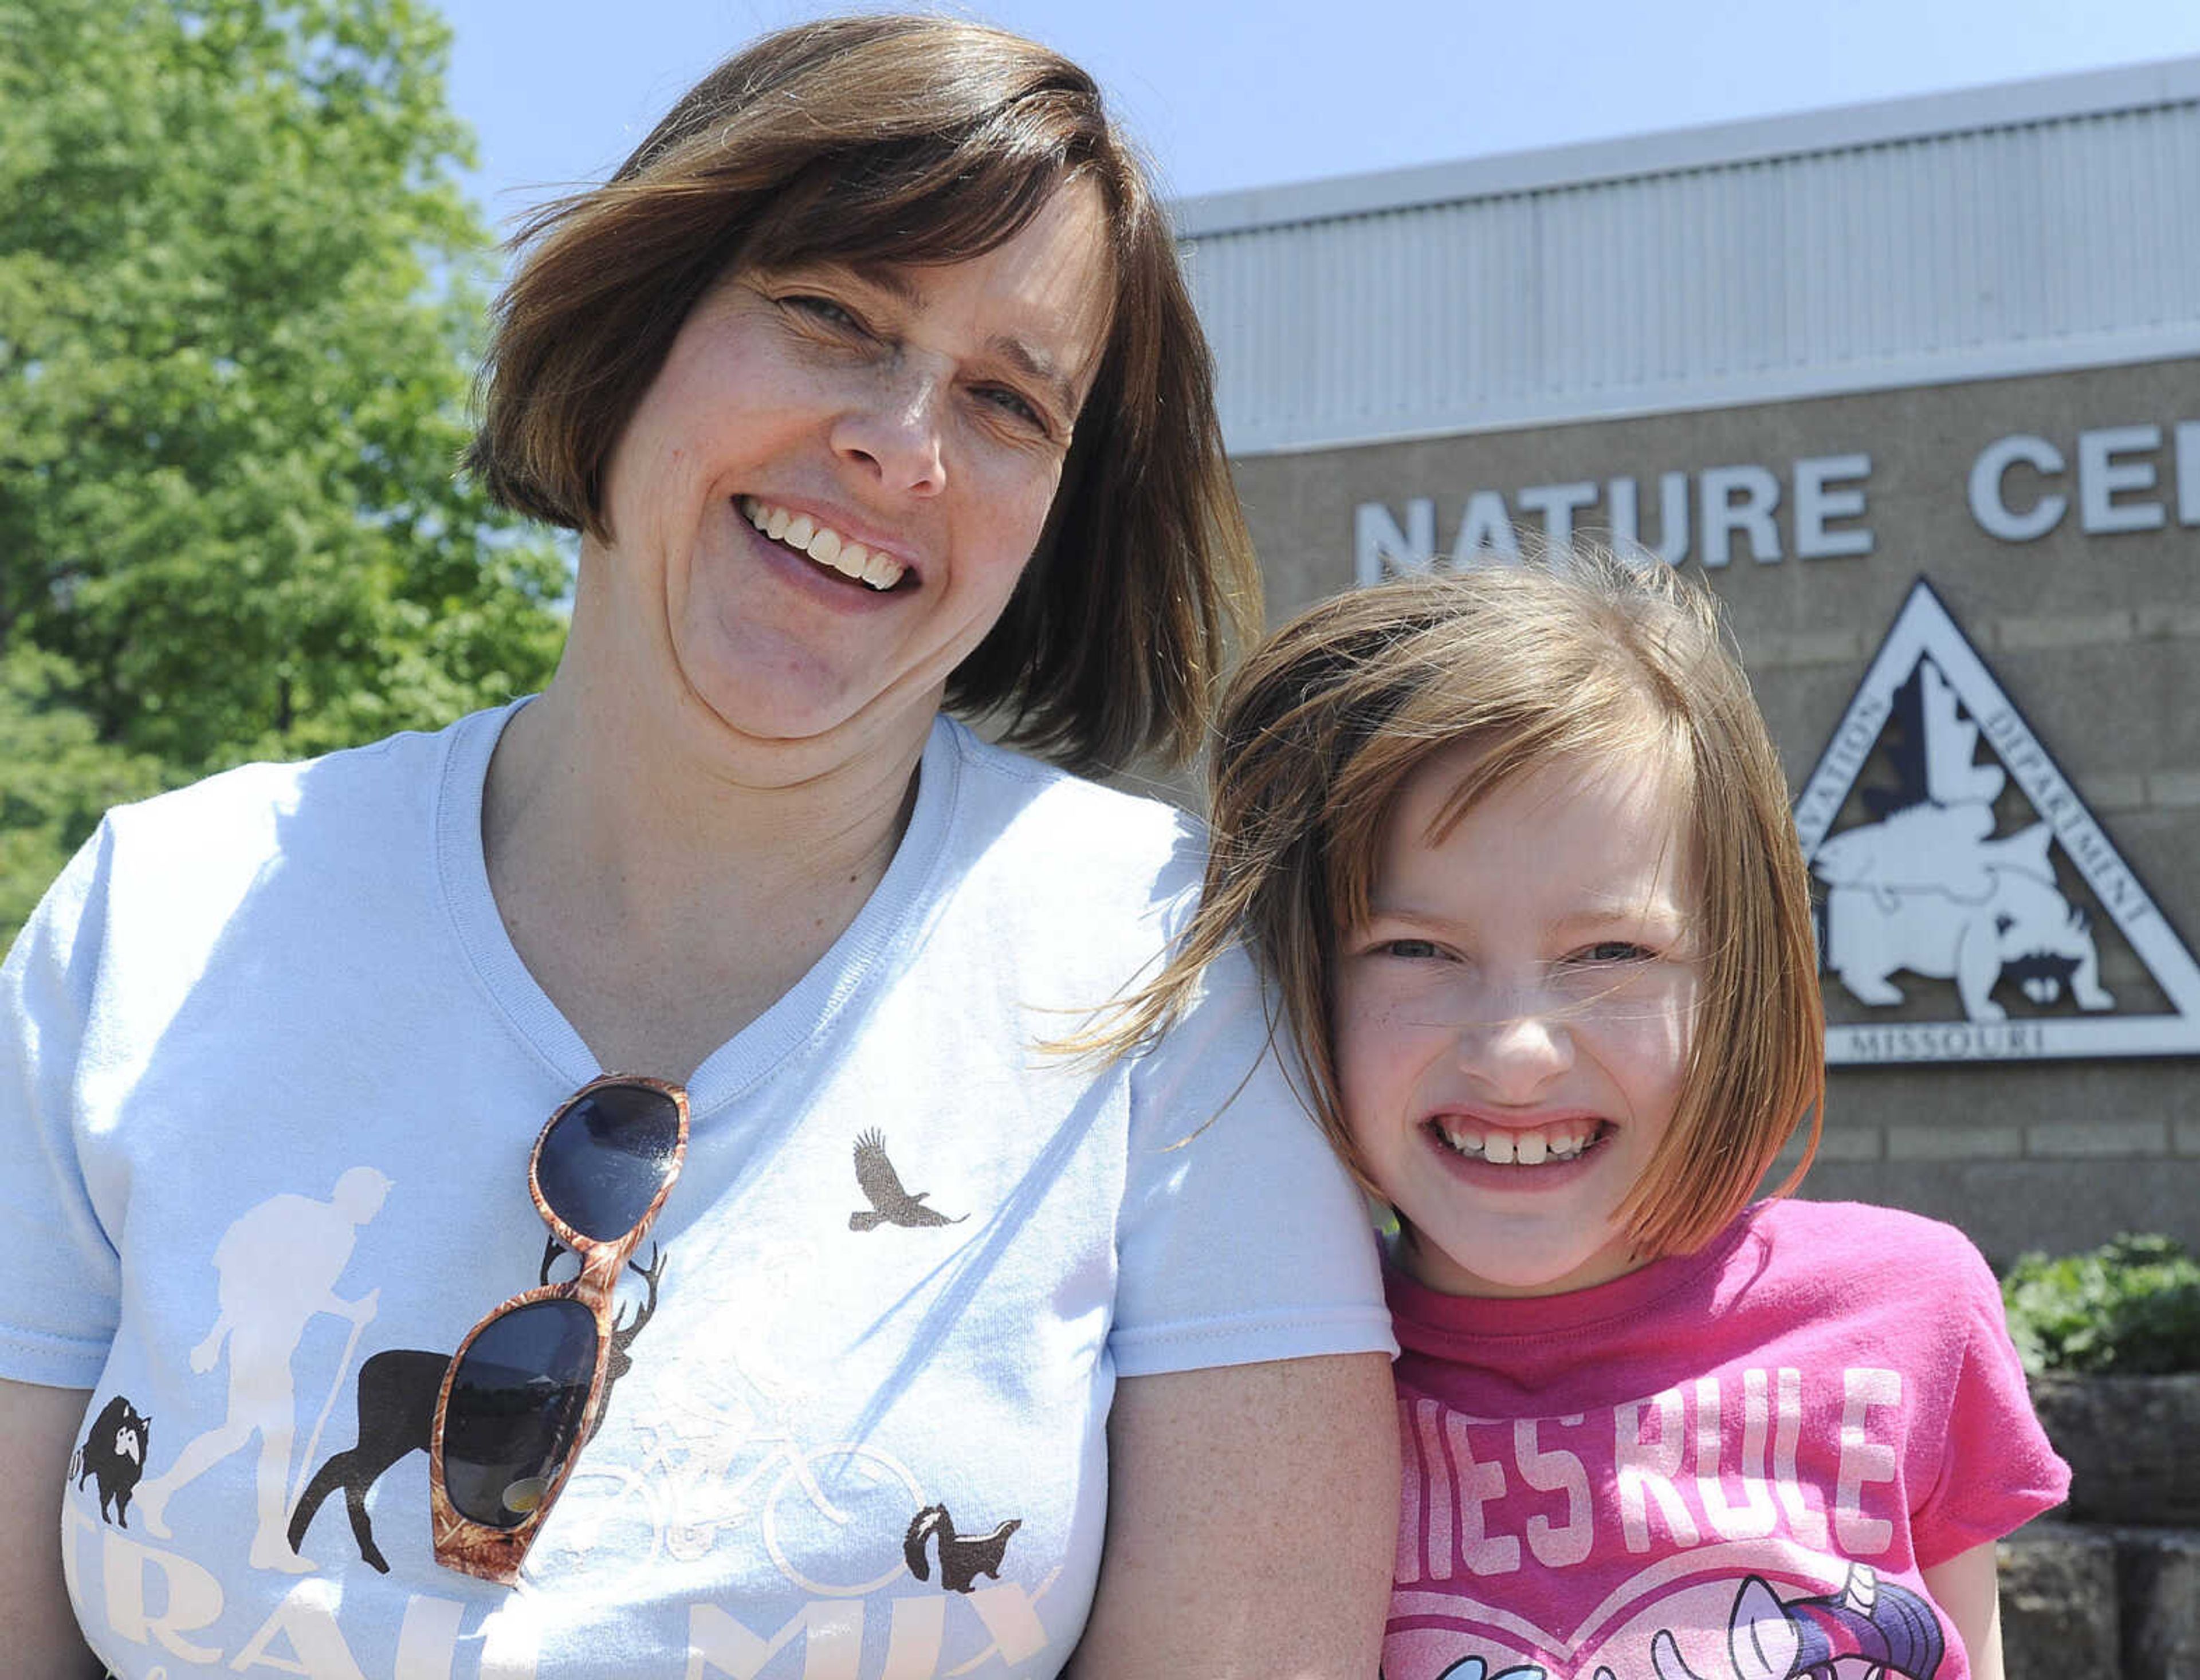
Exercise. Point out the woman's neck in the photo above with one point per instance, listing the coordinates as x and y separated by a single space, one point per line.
666 883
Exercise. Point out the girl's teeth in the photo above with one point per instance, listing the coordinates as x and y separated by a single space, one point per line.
882 572
1526 1149
824 546
798 531
776 523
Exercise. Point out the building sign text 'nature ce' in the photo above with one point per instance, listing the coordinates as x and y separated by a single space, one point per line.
2020 488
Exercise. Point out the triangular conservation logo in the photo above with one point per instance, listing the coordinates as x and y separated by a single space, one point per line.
1970 908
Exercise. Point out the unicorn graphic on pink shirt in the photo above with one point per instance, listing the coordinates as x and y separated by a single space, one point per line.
1869 1630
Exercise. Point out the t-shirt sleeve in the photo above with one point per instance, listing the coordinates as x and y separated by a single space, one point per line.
1997 1469
1241 1238
58 1312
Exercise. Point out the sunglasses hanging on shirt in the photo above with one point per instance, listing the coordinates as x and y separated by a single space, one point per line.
523 1394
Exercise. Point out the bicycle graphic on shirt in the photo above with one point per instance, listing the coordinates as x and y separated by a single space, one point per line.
711 1467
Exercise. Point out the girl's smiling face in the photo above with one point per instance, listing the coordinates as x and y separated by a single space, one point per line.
1513 1021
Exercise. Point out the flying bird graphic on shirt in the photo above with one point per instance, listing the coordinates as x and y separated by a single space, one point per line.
881 1184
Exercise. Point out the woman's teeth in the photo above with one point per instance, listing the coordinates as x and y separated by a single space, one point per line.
1507 1148
827 546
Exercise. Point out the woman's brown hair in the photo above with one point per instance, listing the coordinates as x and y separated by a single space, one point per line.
1582 656
906 139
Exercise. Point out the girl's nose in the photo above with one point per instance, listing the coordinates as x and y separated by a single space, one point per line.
1517 1054
894 431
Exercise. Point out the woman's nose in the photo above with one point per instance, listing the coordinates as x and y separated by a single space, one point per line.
895 431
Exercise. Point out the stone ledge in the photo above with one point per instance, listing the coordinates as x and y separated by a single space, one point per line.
2114 792
2167 621
1860 1143
2066 630
2173 789
1841 1144
2074 1140
2158 1602
1779 649
2060 1614
1955 1143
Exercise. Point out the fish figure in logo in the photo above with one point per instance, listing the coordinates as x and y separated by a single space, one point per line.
881 1184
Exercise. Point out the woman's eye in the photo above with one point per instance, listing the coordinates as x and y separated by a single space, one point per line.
1013 404
823 311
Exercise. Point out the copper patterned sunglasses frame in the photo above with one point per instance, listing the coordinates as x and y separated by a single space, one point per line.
523 1394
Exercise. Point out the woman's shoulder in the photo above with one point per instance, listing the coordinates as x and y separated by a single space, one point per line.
239 816
1087 832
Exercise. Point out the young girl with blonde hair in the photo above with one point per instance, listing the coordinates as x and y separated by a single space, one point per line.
1515 851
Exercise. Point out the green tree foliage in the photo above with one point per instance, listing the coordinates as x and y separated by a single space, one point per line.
2130 1307
58 777
239 292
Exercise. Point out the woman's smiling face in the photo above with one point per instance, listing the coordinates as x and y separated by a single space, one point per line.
905 425
1513 1023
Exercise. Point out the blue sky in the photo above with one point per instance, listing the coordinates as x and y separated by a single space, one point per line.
1228 95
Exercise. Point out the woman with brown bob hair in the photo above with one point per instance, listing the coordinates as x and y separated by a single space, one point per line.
865 1320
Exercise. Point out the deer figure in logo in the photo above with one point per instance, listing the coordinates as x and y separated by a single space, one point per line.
396 1405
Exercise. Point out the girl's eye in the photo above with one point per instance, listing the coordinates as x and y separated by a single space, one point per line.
1615 951
1411 950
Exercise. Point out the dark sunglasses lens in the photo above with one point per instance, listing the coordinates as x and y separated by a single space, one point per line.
610 1153
515 1408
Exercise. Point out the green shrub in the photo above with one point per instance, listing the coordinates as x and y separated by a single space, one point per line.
2131 1307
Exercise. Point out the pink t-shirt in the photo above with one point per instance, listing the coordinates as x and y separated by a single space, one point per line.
1730 1465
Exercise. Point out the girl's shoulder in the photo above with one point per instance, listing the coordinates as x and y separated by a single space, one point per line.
1862 1240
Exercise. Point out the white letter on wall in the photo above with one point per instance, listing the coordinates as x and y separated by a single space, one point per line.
1751 515
2188 472
1672 515
1818 500
1376 538
1558 503
1485 529
1993 514
2100 475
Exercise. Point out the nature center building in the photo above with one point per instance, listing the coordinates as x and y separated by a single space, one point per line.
1915 386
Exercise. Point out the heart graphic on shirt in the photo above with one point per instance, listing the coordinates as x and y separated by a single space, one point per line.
1757 1611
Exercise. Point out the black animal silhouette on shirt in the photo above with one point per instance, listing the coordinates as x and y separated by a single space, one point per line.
113 1452
881 1184
398 1389
962 1560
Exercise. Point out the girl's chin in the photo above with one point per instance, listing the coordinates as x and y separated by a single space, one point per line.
1510 1274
